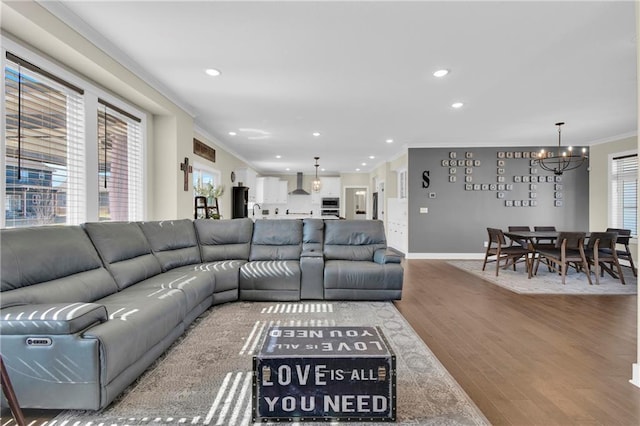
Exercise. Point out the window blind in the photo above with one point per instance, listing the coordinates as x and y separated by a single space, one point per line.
120 174
624 190
45 167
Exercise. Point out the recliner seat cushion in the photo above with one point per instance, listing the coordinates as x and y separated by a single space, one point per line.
139 318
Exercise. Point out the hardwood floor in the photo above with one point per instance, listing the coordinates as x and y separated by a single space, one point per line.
527 360
524 360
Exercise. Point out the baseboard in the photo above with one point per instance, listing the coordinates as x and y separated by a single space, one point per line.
635 375
446 256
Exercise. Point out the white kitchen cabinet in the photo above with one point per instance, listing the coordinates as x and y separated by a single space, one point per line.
331 187
271 190
283 192
248 178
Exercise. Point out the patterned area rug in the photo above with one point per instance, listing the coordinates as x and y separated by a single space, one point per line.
206 377
546 282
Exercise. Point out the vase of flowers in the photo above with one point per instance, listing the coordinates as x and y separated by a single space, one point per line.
212 193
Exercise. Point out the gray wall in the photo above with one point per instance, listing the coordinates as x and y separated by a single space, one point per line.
458 216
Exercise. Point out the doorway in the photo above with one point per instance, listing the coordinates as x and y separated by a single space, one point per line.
355 205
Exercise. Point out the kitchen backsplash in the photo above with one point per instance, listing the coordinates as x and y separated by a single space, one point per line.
296 205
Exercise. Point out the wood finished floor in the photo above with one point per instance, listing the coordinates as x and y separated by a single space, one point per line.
524 360
527 360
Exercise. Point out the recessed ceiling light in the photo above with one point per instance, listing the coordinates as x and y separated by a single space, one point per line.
389 141
287 169
457 105
212 72
232 133
316 134
441 73
363 164
371 157
278 156
323 169
357 170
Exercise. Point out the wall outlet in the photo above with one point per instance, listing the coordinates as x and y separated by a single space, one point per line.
424 210
486 244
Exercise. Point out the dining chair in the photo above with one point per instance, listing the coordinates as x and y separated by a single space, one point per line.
624 235
522 243
569 248
601 250
508 253
545 229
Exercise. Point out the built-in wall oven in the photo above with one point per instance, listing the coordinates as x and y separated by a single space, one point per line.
330 206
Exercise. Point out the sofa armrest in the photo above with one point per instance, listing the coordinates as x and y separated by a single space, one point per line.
387 255
51 318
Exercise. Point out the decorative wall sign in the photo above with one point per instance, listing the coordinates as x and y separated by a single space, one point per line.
203 150
452 154
468 154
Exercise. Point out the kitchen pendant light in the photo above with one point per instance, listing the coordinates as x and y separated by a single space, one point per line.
316 184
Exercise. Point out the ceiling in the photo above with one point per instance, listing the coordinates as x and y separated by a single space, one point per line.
360 73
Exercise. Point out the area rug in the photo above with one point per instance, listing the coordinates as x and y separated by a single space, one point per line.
206 377
546 282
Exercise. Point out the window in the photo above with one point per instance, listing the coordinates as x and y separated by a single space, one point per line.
44 151
119 164
624 190
203 176
54 170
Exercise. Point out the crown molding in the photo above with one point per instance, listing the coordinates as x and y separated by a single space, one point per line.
64 14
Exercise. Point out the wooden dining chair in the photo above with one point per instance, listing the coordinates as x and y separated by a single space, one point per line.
601 253
622 247
522 243
545 229
569 248
498 248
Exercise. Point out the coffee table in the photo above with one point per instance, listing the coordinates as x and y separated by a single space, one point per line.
324 373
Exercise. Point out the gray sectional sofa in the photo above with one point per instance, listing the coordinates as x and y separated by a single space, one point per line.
84 310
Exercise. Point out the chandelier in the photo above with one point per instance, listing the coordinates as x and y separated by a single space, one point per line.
561 161
315 183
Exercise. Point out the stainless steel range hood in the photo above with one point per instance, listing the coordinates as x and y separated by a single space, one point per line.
299 190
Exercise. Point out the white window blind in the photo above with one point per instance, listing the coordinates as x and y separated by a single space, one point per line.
624 190
120 173
44 148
